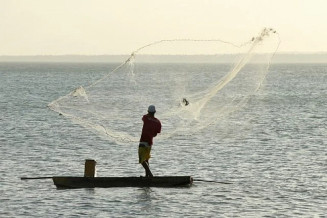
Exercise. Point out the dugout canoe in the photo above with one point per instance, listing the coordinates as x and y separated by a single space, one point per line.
107 182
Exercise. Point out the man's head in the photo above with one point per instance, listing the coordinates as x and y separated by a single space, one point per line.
151 109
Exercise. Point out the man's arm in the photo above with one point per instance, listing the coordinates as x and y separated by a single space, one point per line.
159 127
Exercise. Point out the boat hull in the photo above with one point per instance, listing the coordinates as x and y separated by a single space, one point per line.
107 182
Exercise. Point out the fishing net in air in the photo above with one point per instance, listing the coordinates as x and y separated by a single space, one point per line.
192 83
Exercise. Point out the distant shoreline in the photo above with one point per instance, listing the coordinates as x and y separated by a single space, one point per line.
226 58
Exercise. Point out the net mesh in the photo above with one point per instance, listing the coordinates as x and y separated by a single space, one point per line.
189 95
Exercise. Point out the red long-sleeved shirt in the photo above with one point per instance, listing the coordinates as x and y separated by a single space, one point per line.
151 127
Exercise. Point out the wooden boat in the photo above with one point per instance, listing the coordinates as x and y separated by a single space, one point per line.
107 182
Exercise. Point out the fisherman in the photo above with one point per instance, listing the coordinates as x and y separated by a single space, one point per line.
151 127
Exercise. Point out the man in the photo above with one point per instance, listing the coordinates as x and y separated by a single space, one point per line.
151 127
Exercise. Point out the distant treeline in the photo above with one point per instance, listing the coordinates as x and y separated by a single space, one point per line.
225 58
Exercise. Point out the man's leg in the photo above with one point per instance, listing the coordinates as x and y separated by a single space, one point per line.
145 165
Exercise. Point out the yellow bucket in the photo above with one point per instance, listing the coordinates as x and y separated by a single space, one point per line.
89 168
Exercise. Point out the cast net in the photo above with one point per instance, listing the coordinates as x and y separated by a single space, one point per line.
192 83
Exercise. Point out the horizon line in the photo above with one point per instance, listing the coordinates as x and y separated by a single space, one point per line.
168 58
277 53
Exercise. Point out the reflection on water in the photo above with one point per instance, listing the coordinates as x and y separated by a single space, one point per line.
145 198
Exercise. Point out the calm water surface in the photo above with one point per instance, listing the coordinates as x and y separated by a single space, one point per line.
273 152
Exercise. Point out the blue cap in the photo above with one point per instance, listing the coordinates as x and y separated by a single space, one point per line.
152 109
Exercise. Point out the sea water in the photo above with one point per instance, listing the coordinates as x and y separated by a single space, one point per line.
273 151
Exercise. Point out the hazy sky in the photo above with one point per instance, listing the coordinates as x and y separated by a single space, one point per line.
88 27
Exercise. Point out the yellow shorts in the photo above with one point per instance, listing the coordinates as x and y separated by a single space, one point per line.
144 153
